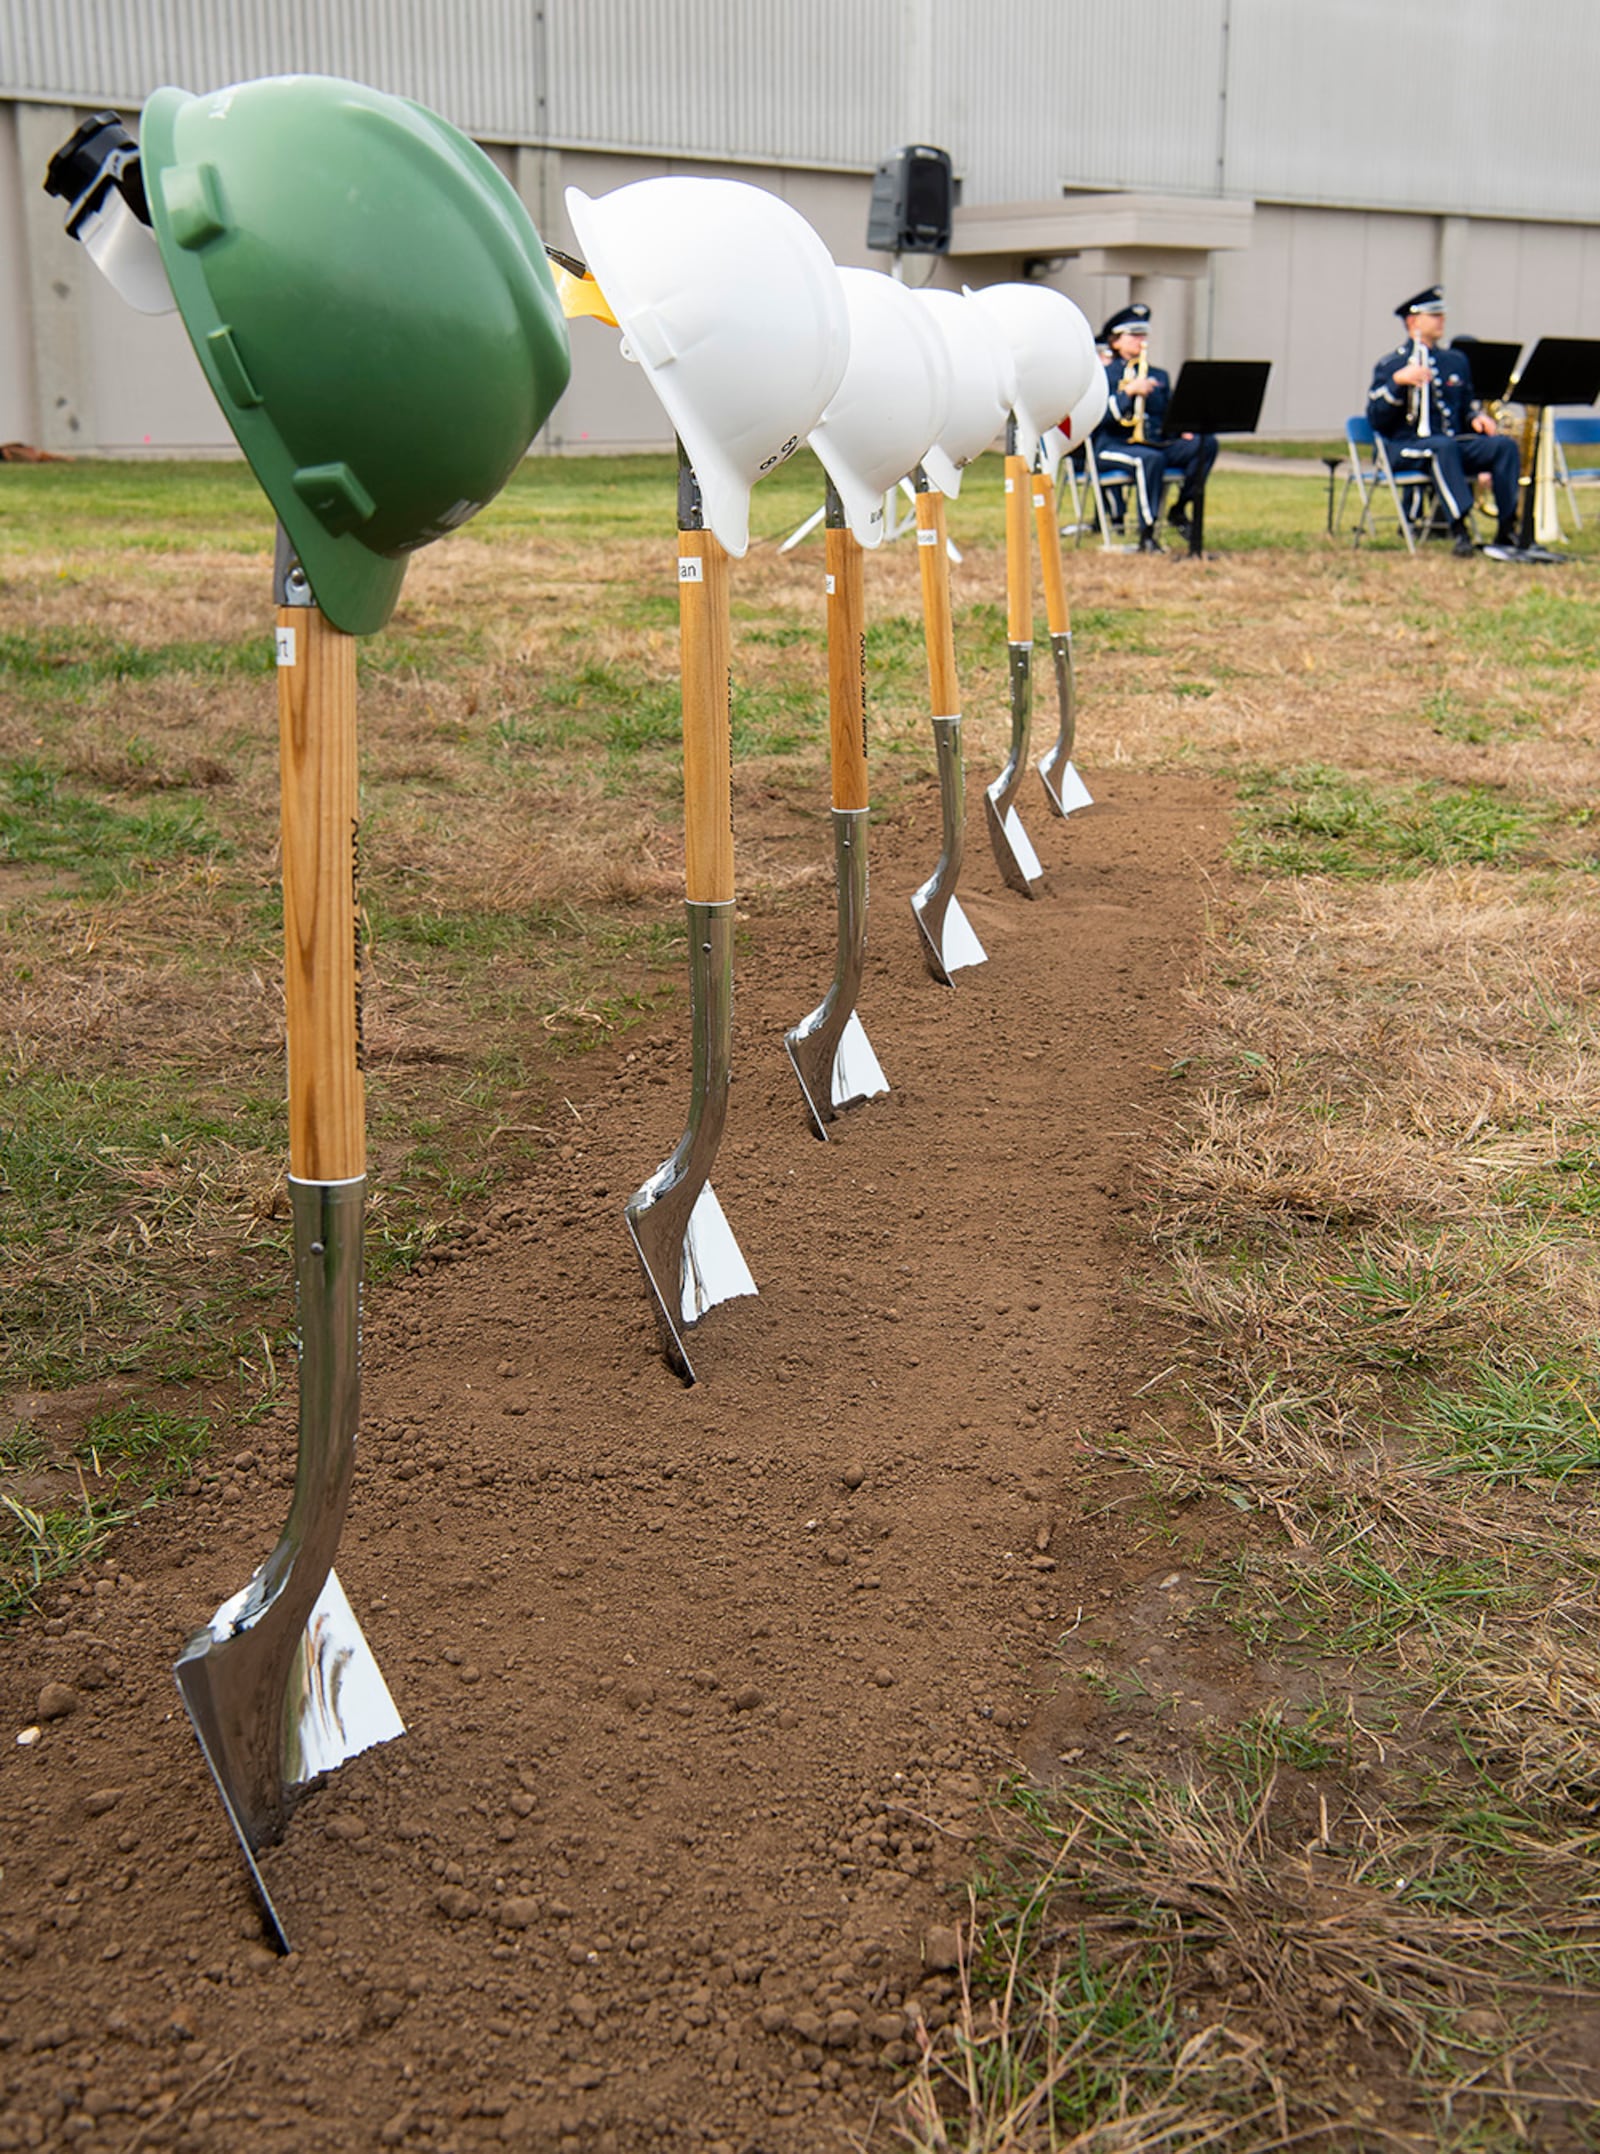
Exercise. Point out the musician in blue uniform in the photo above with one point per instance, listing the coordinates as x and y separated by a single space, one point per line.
1421 402
1135 388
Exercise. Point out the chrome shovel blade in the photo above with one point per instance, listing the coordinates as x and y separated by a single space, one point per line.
710 1268
1065 789
336 1705
1061 781
280 1684
831 1082
1014 856
857 1072
681 1237
829 1050
948 942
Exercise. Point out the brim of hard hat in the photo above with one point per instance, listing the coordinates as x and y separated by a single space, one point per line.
356 588
724 492
944 474
860 493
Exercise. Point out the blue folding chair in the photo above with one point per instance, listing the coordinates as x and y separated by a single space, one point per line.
1576 434
1372 474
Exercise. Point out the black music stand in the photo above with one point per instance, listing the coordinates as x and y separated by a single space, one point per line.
1215 396
1560 370
1491 364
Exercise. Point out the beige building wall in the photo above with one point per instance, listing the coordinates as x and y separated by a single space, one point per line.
1313 292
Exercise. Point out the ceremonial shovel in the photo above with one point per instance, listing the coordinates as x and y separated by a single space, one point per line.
830 1051
1017 860
1062 783
948 939
682 1239
281 1685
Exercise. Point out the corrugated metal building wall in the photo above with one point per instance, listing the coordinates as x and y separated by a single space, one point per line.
1382 146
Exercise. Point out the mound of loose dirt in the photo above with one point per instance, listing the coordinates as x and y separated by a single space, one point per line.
704 1688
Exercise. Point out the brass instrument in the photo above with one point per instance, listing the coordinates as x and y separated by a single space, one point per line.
1419 407
1536 460
1139 372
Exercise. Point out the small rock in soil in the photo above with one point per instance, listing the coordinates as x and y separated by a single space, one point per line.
56 1701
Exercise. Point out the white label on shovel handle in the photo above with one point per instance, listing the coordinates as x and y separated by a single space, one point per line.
285 646
927 538
1011 486
689 570
828 586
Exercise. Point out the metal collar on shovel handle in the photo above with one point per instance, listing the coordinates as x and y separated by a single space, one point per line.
685 1246
1063 787
830 1051
948 941
1015 856
281 1684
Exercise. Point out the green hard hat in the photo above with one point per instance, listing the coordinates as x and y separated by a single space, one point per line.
372 306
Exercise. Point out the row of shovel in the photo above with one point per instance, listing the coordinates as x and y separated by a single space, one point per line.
891 388
377 319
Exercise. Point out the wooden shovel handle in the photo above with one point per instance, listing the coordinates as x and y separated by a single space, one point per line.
847 668
1019 560
944 690
706 658
321 903
1044 522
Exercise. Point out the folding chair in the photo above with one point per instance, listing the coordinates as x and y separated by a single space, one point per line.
1071 478
1576 434
1102 484
1409 491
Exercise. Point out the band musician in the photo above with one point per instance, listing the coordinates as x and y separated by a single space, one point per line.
1130 442
1421 402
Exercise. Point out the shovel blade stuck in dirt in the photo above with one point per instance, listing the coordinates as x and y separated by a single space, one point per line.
334 1705
834 1073
947 936
1014 855
1064 788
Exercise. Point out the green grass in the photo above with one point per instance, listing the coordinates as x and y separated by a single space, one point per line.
67 660
1520 1420
1314 820
45 822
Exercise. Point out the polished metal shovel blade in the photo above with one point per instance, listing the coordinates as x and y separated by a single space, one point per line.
681 1236
834 1078
1019 864
280 1684
1014 855
1066 788
335 1705
829 1050
688 1274
948 941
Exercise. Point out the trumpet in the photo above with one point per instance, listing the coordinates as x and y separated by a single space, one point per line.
1419 398
1136 370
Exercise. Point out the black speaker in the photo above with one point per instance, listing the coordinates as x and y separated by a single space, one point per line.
913 193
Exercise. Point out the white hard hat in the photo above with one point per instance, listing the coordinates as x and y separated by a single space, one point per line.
731 304
1052 348
982 385
1088 411
890 406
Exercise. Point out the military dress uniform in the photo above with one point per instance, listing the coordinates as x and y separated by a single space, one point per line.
1432 425
1121 459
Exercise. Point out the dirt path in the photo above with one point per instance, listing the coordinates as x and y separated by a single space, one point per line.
704 1688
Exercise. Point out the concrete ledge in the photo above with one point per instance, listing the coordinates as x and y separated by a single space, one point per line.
1167 224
